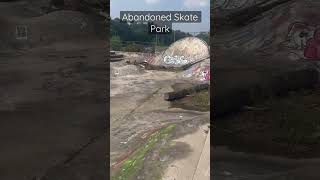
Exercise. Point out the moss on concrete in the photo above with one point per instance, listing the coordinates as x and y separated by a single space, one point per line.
131 167
199 101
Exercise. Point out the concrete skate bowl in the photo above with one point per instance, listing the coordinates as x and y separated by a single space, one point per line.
182 53
53 27
199 71
285 29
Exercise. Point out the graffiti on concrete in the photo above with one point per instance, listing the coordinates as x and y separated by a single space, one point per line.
192 71
303 41
175 60
189 50
21 32
198 71
151 59
298 35
83 25
205 74
312 50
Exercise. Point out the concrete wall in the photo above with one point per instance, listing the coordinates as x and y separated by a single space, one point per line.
50 28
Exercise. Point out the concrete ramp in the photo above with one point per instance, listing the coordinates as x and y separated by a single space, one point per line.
184 52
199 71
289 28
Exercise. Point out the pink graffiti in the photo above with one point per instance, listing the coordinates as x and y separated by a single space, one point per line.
303 41
151 59
312 51
206 74
196 69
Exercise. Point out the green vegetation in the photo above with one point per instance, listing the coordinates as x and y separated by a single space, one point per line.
138 33
204 36
133 47
131 167
199 101
115 43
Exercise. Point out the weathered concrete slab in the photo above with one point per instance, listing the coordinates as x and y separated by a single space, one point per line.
47 29
244 78
199 71
289 27
56 107
203 169
229 165
187 168
269 56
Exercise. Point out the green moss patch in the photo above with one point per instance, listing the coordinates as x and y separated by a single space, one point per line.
131 167
199 101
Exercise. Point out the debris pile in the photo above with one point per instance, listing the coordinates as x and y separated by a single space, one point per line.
114 57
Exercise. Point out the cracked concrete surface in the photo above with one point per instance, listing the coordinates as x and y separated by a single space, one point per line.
53 112
138 107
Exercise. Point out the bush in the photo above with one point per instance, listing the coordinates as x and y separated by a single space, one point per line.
115 43
134 48
204 36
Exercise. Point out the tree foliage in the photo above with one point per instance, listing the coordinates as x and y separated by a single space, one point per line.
115 43
135 37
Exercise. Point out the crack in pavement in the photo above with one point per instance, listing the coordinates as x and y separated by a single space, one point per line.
69 158
133 110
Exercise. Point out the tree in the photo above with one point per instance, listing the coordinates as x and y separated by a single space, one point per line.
115 43
204 36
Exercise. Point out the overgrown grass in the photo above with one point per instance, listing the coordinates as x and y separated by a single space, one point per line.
131 167
199 101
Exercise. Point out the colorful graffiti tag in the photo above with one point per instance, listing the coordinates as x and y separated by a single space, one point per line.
151 59
312 50
298 35
205 74
303 41
198 71
175 60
